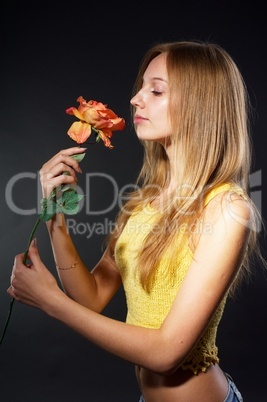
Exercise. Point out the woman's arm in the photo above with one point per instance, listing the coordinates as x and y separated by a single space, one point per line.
91 289
216 261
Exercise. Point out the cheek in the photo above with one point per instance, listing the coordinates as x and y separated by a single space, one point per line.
162 118
160 110
164 125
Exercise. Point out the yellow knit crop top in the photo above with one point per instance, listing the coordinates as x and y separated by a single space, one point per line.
150 309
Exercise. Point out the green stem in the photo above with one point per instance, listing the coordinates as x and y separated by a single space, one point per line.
24 261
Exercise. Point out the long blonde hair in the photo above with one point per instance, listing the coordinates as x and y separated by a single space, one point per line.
209 109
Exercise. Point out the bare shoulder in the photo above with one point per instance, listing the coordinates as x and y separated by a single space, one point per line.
226 221
231 208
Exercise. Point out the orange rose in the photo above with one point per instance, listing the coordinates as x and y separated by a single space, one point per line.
94 116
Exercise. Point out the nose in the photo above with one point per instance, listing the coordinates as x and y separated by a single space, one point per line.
137 100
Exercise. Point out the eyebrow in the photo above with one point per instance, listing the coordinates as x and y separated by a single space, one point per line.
157 79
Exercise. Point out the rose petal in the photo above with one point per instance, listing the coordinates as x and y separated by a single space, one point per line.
75 112
79 131
104 137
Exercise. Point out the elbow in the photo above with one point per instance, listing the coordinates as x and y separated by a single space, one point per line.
166 365
166 353
172 353
168 370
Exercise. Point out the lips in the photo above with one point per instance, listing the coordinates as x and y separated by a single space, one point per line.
139 119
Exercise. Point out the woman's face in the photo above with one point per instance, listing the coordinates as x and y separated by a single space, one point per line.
151 117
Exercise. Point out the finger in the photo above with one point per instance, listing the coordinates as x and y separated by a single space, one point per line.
65 157
73 150
56 173
34 257
59 168
51 174
17 266
18 261
48 185
33 253
10 291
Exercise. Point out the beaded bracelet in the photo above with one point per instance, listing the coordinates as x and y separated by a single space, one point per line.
73 265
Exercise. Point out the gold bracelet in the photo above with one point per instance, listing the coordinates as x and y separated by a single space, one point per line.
73 265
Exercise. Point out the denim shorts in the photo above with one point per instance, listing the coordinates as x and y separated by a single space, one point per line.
233 394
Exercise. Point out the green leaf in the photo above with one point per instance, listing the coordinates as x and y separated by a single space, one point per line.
78 157
66 187
51 195
49 209
68 202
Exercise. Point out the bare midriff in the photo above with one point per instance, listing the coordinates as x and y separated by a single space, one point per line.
183 385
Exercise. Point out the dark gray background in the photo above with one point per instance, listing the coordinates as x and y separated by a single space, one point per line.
51 53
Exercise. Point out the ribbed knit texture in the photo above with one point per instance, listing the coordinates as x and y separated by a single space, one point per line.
150 309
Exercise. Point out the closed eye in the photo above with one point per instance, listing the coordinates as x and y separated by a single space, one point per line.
156 93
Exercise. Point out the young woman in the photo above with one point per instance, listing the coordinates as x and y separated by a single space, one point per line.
183 240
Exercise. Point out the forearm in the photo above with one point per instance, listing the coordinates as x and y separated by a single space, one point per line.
149 348
77 281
